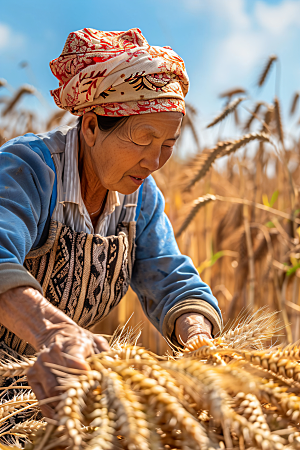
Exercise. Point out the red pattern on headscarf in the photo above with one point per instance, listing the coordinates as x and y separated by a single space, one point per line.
118 73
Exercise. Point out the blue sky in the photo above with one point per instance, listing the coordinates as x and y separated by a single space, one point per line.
224 42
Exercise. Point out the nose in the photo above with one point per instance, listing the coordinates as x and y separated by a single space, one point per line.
151 157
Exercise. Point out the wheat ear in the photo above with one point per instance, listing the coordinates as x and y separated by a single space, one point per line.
231 92
15 368
252 330
218 381
277 113
55 119
26 89
266 70
248 406
27 427
128 410
231 107
158 396
295 102
226 148
204 161
278 362
244 140
197 205
69 409
3 82
10 406
275 394
103 424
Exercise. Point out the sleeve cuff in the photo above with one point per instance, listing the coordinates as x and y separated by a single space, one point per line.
14 275
191 305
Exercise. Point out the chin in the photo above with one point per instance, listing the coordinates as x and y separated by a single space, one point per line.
127 187
127 190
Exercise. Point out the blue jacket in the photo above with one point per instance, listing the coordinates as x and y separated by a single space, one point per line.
166 282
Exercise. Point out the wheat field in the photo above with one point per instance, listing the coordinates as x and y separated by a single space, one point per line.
235 211
236 219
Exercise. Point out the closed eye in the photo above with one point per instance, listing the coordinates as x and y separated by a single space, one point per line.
169 146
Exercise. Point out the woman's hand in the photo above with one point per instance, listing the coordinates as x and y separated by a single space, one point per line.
190 326
59 340
65 345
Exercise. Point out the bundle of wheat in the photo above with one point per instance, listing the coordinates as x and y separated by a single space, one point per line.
230 393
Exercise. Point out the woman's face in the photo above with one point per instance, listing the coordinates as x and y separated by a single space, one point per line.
123 158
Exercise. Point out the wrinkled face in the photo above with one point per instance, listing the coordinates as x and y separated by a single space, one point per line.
125 156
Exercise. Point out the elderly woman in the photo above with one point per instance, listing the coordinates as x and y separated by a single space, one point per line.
81 218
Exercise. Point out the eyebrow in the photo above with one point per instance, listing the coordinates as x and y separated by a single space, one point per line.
151 131
168 139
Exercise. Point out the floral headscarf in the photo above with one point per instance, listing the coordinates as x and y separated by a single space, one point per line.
118 74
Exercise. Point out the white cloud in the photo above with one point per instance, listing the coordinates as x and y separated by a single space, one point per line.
248 37
230 12
5 33
238 51
278 19
8 38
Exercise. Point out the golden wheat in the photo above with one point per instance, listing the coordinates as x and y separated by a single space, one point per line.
230 92
230 108
266 70
133 399
277 113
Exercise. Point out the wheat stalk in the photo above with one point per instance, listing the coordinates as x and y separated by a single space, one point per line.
266 70
269 115
55 119
277 113
294 104
197 205
202 201
252 330
73 401
15 368
244 140
27 427
157 395
253 115
204 161
248 406
231 92
10 406
231 107
133 399
26 89
225 148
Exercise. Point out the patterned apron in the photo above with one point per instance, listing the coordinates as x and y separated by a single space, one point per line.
83 275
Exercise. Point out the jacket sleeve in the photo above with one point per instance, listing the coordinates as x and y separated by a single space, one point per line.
166 282
26 183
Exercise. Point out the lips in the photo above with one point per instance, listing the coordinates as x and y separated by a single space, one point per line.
137 180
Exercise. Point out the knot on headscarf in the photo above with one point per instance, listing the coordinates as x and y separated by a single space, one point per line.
118 74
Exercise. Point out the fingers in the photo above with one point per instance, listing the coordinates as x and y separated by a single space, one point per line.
101 343
41 377
69 349
198 341
44 389
189 325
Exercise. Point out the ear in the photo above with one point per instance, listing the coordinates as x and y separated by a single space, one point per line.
89 128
